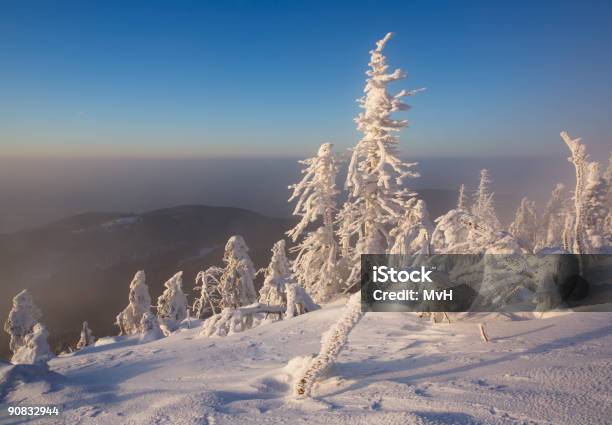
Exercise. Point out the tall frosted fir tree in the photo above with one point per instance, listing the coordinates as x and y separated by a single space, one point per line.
316 265
483 207
375 175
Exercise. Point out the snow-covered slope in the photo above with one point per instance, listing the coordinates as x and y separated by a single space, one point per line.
395 369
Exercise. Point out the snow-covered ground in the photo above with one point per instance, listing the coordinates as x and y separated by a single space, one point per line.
396 369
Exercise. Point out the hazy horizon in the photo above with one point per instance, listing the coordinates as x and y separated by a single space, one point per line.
39 191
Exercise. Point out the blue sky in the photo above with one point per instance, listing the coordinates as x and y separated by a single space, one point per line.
260 78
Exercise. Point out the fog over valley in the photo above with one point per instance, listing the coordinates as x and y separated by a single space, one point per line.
36 191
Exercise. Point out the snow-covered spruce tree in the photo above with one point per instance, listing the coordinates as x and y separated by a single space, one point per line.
579 159
207 282
87 337
376 174
450 235
483 207
596 210
332 343
172 303
525 225
21 319
413 233
35 348
277 275
462 201
315 266
150 330
298 301
586 231
608 179
550 232
128 320
236 282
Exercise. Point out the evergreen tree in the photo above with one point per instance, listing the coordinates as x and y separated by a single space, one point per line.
483 207
230 286
172 303
413 233
315 267
35 348
277 275
21 319
550 233
87 337
376 174
462 199
525 225
129 319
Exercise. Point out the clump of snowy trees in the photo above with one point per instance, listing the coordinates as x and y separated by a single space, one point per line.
28 335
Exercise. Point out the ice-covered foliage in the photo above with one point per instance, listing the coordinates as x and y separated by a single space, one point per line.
230 286
596 209
172 303
298 301
232 320
608 179
207 282
237 319
550 232
462 200
21 320
413 232
483 207
525 225
315 266
315 193
150 329
332 343
128 320
35 348
277 275
590 211
375 175
87 337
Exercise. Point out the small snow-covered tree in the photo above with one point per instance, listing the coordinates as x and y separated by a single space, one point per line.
236 282
207 282
277 275
87 337
298 301
230 286
128 320
462 200
35 348
332 343
451 233
525 225
483 207
172 303
413 233
150 329
21 319
550 233
315 266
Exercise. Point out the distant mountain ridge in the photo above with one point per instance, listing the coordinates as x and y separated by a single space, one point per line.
93 256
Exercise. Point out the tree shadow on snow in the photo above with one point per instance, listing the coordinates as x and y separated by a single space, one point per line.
371 371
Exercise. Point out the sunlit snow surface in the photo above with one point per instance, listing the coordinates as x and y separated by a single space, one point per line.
395 370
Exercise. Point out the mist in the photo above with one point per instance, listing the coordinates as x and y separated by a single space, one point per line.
35 191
